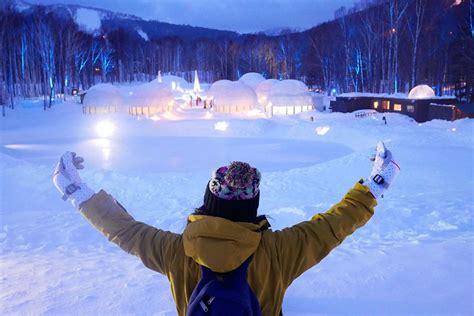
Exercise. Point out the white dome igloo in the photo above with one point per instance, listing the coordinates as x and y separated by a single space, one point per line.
103 98
289 97
421 91
150 98
218 86
263 90
232 96
252 79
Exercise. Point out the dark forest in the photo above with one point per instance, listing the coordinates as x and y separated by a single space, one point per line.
376 46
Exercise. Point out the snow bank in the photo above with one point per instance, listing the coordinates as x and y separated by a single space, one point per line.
252 79
232 96
104 95
88 20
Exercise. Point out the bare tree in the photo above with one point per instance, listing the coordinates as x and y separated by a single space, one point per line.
415 31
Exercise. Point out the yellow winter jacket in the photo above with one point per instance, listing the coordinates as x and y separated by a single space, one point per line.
279 257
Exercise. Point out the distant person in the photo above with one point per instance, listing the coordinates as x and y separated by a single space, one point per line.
384 119
226 234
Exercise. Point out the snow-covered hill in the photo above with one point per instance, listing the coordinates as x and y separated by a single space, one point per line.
281 31
95 20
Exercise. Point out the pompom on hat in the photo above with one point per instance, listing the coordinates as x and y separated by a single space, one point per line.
233 193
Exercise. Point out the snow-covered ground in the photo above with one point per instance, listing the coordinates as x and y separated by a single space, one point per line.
414 257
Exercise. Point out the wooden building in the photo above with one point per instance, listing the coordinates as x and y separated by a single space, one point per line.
421 110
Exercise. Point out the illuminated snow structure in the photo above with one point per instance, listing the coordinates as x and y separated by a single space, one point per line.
252 79
232 96
150 98
263 90
421 91
196 84
176 83
102 98
289 97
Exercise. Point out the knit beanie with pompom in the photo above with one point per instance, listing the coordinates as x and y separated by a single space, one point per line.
233 193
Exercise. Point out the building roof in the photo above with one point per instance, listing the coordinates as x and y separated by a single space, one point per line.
389 96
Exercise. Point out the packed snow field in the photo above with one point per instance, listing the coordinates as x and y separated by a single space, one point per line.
414 257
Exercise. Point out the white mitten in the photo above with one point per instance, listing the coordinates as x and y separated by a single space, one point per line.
67 179
384 171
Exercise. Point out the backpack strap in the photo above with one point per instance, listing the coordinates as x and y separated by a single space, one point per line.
241 271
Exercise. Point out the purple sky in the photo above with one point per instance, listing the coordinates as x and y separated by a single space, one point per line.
236 15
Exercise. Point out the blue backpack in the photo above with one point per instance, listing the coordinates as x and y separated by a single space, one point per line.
224 294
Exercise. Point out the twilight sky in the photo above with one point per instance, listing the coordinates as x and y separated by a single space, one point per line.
236 15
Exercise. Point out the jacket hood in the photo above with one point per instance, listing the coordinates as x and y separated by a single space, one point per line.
220 244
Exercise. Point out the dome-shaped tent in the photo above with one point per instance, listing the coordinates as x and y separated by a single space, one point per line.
150 98
289 97
252 79
102 98
232 96
421 91
263 90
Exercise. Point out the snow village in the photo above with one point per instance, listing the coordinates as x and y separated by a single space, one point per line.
352 135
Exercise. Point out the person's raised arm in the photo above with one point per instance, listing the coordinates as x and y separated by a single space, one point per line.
153 246
303 245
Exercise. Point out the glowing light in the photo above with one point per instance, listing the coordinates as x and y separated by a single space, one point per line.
105 129
221 126
171 103
453 129
102 142
25 146
421 92
322 130
155 118
106 153
130 93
